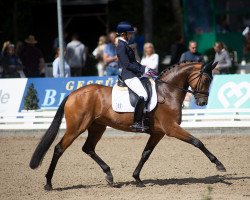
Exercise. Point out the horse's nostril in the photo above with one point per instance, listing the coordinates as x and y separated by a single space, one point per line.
203 103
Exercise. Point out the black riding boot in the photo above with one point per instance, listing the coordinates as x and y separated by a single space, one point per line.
138 116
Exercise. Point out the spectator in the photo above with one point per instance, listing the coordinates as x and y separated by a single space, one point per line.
98 53
139 40
150 59
76 54
246 44
177 49
192 54
110 56
133 44
19 48
56 65
10 63
56 41
5 44
32 58
223 59
223 26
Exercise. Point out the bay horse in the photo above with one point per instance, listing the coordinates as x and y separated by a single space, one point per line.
89 108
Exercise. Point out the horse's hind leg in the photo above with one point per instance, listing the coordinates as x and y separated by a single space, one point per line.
95 132
181 134
65 142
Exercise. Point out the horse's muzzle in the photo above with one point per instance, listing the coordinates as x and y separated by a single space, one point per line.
202 101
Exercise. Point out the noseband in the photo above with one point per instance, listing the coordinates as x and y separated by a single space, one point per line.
197 87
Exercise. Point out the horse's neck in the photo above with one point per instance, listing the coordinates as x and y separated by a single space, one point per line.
175 80
177 76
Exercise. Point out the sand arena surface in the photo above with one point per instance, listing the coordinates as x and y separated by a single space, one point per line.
175 170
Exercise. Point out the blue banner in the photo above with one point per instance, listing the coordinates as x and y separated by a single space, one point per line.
51 91
230 91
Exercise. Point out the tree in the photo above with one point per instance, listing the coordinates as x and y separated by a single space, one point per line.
148 20
31 100
177 11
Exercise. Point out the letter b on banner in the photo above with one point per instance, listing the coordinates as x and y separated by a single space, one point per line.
49 98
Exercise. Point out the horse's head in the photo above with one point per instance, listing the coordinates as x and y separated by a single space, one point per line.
200 80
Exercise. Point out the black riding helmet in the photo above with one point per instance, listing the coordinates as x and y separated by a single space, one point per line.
124 27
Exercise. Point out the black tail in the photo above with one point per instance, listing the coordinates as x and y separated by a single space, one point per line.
48 137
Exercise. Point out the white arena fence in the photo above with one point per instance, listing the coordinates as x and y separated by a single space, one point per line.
195 118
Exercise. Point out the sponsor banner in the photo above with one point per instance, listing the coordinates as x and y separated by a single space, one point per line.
11 94
230 91
51 91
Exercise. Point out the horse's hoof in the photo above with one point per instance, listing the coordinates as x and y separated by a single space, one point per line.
140 184
109 179
48 187
221 168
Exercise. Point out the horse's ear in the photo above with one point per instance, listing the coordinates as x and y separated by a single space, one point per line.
207 67
214 65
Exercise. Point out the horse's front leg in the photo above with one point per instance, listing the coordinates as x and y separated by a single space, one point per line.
151 144
183 135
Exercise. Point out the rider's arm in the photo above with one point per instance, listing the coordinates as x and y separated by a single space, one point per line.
124 60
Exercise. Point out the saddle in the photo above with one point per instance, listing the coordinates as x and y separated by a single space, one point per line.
133 97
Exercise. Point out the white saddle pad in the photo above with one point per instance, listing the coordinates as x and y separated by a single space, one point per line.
121 102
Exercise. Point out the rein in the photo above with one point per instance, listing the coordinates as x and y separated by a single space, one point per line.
187 90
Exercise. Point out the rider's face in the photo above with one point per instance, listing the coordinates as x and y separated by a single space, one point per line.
129 35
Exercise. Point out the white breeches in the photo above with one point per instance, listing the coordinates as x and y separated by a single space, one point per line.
136 86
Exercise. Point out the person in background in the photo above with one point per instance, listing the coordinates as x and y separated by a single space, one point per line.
133 44
223 26
191 54
139 40
177 49
56 41
98 53
110 56
76 55
19 48
223 59
150 59
32 58
56 65
246 45
5 44
10 63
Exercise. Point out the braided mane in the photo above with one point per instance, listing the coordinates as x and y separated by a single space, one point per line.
168 69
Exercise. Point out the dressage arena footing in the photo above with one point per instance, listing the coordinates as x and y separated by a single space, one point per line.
174 171
110 132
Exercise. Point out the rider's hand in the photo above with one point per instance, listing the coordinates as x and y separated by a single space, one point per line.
150 73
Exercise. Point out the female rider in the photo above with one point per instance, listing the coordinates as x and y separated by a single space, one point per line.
131 71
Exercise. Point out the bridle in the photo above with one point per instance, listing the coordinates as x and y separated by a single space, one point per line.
197 87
